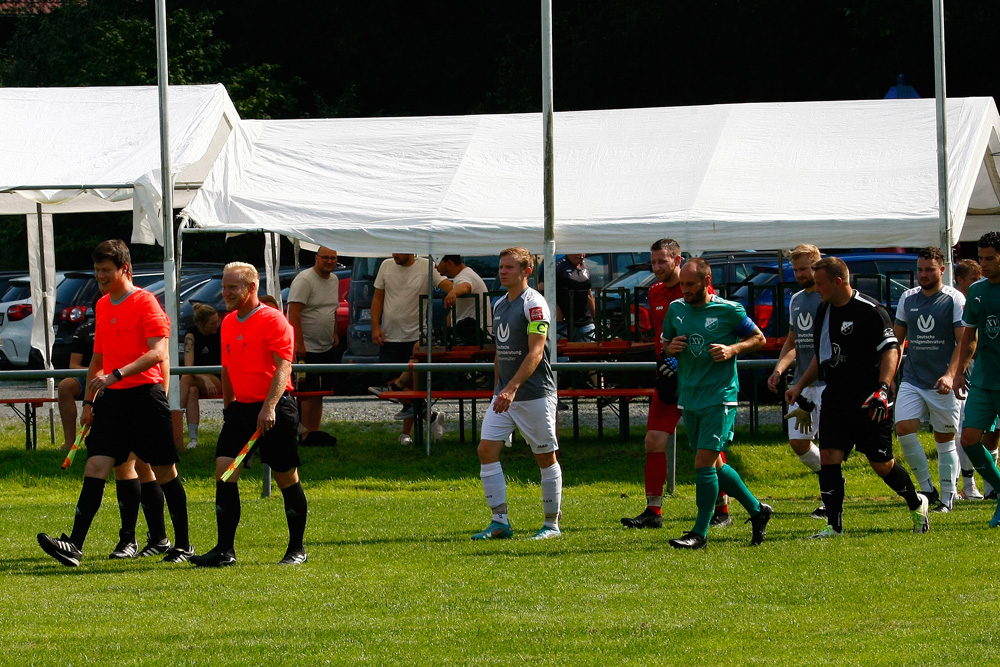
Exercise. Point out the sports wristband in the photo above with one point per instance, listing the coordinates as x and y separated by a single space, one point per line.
117 373
86 402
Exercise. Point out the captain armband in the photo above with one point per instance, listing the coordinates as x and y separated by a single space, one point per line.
540 328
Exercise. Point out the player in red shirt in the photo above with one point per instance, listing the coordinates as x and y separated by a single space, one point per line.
665 259
258 344
127 412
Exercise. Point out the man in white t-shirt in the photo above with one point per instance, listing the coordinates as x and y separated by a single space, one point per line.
396 314
312 311
466 282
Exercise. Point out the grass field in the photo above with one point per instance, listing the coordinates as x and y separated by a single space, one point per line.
393 578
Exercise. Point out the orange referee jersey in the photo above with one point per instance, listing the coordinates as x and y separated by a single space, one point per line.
247 351
121 333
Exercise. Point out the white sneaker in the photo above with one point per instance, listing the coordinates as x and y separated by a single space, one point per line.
972 493
437 426
921 522
405 440
827 533
192 444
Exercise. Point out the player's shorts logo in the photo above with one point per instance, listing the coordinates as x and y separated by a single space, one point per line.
992 326
696 344
847 327
804 321
503 332
925 323
711 323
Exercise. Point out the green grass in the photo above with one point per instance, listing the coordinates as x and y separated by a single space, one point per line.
393 578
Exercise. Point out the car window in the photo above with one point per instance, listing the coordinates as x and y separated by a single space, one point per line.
901 276
17 292
598 265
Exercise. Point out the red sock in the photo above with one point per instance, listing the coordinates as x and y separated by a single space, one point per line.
656 475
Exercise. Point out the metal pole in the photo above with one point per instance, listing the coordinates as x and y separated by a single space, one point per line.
940 98
549 246
167 187
430 345
46 324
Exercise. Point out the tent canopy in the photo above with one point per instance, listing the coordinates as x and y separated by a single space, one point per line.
66 139
837 174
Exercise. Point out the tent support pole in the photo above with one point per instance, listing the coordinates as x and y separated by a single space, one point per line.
549 246
430 345
46 324
940 98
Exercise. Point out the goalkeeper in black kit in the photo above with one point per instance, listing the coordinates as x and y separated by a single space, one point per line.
857 354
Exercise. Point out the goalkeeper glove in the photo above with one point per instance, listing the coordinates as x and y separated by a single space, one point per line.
879 403
802 412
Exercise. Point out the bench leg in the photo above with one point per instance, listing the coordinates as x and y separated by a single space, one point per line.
576 419
461 420
600 418
623 425
265 471
29 422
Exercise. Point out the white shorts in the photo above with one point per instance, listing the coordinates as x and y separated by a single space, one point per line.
944 411
535 419
815 394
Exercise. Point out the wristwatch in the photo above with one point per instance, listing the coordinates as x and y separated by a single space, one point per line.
117 373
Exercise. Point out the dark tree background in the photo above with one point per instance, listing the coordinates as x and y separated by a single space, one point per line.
399 57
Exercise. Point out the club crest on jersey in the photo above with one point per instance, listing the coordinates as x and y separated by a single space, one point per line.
535 314
696 344
925 323
503 332
836 357
847 327
711 323
992 326
804 321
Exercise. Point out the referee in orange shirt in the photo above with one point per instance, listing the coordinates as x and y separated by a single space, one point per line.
257 349
125 407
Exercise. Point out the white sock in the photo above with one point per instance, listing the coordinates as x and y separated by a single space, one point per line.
948 467
552 493
495 488
917 460
193 431
811 458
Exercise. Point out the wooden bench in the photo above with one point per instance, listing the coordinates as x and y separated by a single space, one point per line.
29 416
618 394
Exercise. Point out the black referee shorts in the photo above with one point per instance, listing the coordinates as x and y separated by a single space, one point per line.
847 427
278 447
137 420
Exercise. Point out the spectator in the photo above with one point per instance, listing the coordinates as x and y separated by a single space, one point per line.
312 312
466 282
395 317
202 347
72 389
574 299
269 300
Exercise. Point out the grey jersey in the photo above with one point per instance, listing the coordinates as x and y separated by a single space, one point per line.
801 316
930 323
511 320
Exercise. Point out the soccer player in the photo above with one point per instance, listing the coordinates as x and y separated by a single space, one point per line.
856 353
257 348
126 408
524 397
930 317
968 272
982 311
799 347
665 260
705 334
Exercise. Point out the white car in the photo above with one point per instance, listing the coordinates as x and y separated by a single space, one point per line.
16 320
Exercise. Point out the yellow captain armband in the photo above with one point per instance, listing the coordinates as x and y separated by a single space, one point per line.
541 328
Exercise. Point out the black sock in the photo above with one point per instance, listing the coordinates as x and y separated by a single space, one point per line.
129 491
173 493
899 481
152 509
227 513
296 509
831 487
91 496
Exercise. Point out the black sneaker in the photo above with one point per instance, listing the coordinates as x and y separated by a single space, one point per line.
127 548
992 495
179 555
932 496
292 557
721 519
155 548
215 558
759 524
648 519
942 508
689 541
62 549
819 513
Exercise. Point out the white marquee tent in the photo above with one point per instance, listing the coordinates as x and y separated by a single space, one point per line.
763 176
67 150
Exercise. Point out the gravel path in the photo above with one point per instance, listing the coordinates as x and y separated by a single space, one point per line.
371 410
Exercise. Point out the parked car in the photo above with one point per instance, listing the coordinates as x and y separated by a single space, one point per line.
16 321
